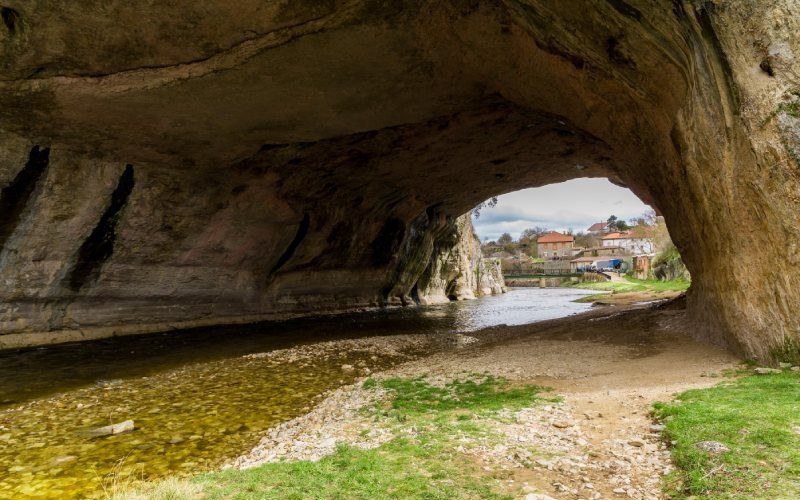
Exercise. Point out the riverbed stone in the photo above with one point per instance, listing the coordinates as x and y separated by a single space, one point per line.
64 459
108 430
713 447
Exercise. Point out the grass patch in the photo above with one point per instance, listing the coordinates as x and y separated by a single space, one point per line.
489 394
631 285
758 418
401 468
420 462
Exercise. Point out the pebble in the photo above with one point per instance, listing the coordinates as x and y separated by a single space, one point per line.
712 447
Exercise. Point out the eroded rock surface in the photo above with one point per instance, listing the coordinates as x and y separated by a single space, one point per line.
227 161
457 269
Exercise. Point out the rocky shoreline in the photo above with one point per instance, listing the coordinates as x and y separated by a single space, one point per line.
597 442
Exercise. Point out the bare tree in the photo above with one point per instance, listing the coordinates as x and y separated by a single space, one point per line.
490 203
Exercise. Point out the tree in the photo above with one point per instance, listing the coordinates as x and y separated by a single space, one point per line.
528 240
650 217
615 224
490 203
505 239
533 233
586 240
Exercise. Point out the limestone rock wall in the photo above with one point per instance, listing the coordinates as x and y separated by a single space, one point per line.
226 160
458 271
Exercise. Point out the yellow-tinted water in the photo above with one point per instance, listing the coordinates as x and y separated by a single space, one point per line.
195 400
187 420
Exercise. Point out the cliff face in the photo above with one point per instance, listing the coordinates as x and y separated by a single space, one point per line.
459 271
221 160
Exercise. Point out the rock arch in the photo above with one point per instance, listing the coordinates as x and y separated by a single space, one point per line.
302 156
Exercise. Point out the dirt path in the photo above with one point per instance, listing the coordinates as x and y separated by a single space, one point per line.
609 366
616 278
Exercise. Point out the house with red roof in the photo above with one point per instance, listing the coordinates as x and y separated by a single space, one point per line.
555 245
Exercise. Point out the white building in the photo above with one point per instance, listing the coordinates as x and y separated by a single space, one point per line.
636 245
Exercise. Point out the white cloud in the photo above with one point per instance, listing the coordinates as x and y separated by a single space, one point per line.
574 204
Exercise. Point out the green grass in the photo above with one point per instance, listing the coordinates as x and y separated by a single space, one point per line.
758 418
485 394
632 285
418 464
402 468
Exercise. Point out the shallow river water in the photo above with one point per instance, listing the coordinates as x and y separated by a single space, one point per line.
195 396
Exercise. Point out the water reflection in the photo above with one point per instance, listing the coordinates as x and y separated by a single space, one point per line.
30 373
194 398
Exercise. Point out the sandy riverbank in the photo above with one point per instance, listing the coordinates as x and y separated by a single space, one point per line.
609 365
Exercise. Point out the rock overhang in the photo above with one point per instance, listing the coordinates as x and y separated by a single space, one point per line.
244 120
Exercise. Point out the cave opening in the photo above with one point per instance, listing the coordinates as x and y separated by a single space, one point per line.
576 220
275 178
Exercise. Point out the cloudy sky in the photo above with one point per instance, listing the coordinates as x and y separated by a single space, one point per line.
575 204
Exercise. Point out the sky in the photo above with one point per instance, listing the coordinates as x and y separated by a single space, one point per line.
575 204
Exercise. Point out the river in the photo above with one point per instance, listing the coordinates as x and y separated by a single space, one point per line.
199 397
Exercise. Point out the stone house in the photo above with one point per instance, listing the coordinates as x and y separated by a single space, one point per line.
555 245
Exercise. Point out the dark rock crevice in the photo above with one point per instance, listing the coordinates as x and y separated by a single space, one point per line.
11 19
99 246
15 197
302 230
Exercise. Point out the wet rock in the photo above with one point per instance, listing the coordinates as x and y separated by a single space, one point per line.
63 459
461 340
712 447
108 430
